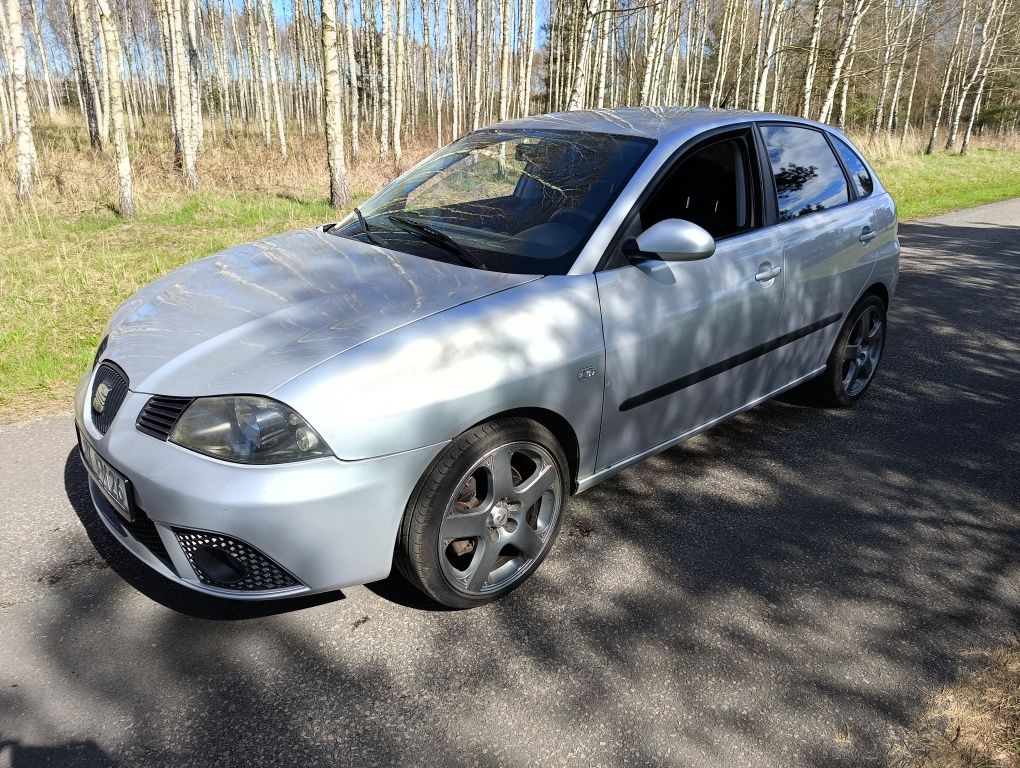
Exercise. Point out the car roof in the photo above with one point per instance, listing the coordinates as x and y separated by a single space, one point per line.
649 122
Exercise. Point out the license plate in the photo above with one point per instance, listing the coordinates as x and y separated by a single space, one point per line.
113 484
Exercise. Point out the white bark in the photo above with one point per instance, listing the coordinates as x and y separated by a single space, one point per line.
339 191
352 66
580 68
384 44
986 35
947 79
25 148
857 11
269 18
113 67
812 61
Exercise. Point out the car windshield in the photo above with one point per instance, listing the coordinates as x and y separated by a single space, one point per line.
519 201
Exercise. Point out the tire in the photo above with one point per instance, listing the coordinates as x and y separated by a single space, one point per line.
846 378
485 514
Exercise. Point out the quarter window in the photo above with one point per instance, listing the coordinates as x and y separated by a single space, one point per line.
855 167
808 176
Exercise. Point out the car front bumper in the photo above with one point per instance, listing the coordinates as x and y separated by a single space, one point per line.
325 522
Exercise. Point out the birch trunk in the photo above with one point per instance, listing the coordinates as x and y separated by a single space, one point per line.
269 18
339 191
986 35
812 61
950 65
984 78
384 121
113 66
81 29
857 10
25 158
577 81
457 123
895 100
51 105
504 60
352 65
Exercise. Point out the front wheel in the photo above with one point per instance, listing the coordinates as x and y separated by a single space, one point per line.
854 359
485 514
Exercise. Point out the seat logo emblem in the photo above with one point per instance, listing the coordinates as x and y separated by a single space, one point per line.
99 398
586 373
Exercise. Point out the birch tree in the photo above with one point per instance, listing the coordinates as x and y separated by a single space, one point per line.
352 67
857 9
947 79
25 147
269 18
112 68
339 192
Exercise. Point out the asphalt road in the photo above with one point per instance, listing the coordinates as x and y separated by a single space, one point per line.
782 591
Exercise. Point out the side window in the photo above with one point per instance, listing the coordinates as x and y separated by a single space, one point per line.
808 176
855 167
710 187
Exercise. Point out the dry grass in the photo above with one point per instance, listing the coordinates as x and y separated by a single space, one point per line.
971 724
74 180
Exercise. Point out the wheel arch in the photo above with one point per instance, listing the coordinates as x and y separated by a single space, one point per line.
560 427
880 290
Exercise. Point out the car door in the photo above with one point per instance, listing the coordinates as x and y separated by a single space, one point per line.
826 231
684 339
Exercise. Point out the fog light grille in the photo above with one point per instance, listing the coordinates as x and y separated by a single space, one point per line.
143 530
260 573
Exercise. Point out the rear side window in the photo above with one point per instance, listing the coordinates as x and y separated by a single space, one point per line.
808 176
855 167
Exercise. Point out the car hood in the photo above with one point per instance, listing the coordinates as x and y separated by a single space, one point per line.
253 317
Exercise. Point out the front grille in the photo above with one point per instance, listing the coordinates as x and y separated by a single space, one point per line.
160 414
261 573
109 388
143 530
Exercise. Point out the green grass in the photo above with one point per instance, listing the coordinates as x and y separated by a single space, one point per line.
928 185
61 278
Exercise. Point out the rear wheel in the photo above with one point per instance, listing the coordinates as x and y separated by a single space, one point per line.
854 359
486 513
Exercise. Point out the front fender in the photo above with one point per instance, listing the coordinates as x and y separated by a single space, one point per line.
537 345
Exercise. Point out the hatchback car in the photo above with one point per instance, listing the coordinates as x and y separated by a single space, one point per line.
515 319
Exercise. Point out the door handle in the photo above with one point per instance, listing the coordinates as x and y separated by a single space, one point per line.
867 235
767 272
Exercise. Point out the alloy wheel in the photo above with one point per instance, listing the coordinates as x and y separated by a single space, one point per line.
862 351
501 519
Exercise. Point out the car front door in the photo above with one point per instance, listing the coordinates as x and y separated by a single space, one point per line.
827 232
686 341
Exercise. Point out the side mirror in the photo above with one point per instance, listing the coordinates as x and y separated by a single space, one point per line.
671 240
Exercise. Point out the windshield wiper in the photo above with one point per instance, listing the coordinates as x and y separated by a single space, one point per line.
364 228
441 239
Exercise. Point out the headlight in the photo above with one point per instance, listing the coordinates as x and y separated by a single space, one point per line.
247 429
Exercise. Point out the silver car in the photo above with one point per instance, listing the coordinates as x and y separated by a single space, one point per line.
515 319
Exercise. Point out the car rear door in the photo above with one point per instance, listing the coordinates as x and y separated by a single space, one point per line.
684 340
827 231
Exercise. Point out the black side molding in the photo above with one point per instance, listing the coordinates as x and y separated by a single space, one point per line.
728 364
